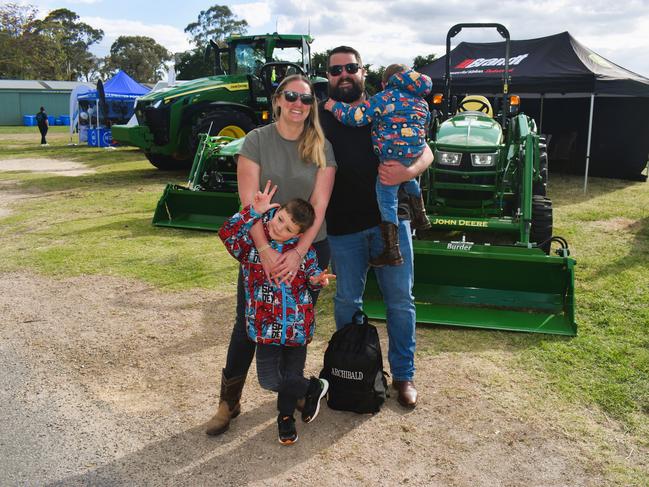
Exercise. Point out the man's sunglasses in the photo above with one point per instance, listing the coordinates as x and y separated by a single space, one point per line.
292 96
337 69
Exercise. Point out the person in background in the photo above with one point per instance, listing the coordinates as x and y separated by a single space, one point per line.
43 125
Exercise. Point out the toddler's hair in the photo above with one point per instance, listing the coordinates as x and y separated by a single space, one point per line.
393 69
301 212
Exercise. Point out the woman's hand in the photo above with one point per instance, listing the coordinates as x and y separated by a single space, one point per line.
261 201
269 258
286 267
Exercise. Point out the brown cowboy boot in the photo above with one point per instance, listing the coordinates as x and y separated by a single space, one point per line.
419 220
407 396
229 406
391 254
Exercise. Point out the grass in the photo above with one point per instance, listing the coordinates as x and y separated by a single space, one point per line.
101 224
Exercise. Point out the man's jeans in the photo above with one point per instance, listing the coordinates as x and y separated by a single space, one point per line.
350 256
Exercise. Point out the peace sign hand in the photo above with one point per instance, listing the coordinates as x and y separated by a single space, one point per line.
261 201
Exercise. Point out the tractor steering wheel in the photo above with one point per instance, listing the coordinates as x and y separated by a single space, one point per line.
281 69
475 103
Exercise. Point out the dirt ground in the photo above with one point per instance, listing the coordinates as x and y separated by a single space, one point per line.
108 381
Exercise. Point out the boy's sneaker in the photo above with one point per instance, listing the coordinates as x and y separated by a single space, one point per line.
317 389
287 432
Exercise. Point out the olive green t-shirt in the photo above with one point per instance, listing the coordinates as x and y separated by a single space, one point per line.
280 162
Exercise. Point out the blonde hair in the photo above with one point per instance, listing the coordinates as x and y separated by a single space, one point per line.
311 141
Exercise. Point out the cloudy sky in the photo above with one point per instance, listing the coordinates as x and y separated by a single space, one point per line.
386 31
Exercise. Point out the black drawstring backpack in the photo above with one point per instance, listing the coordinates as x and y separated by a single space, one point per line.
353 365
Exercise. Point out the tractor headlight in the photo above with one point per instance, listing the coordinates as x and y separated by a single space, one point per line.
483 160
449 158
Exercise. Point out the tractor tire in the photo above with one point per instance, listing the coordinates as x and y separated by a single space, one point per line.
539 188
168 163
226 121
541 231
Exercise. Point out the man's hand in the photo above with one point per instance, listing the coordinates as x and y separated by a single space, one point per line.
261 201
322 279
392 173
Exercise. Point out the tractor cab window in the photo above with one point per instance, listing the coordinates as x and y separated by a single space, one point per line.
248 58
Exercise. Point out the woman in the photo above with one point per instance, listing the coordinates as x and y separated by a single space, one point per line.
294 155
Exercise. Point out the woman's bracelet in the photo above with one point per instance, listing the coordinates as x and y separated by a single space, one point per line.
298 253
262 248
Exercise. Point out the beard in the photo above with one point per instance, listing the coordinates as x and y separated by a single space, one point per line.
347 94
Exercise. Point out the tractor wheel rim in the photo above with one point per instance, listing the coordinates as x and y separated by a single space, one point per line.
232 131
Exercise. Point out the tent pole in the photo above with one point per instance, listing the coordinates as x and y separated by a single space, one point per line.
590 132
541 115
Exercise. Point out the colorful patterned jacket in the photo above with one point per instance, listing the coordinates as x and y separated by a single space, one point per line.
275 314
399 116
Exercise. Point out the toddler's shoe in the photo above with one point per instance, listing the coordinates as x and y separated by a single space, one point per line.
287 431
317 389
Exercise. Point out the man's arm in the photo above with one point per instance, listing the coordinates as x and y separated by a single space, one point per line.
392 173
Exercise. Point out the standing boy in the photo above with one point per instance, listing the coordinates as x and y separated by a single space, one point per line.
279 315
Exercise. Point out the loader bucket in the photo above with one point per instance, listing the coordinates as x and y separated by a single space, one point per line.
180 207
488 286
211 195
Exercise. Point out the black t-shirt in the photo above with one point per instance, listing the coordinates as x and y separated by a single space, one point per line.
352 207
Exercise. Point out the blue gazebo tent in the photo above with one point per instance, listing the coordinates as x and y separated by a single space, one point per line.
120 93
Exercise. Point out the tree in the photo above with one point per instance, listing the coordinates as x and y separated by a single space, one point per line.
22 49
421 61
215 23
141 57
320 62
70 40
373 79
192 64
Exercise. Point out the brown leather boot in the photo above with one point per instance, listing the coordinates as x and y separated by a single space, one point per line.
419 220
391 254
407 396
229 405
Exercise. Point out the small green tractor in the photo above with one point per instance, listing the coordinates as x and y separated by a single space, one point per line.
231 103
487 260
490 259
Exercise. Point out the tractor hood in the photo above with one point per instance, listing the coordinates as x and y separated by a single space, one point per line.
182 88
469 130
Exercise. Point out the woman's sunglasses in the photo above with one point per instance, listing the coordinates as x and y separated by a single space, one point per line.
292 96
337 69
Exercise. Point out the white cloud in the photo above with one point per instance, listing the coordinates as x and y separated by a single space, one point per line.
172 38
256 13
393 31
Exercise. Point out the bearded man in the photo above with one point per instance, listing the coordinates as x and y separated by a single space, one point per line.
353 223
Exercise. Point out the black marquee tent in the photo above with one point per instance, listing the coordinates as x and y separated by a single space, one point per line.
595 112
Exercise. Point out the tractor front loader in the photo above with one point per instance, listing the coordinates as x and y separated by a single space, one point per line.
487 261
211 192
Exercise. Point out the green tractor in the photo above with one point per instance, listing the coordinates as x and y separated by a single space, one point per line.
231 103
487 260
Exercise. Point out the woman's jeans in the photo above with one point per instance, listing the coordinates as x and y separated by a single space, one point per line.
350 255
241 349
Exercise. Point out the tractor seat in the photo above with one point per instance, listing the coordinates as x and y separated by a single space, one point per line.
475 103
